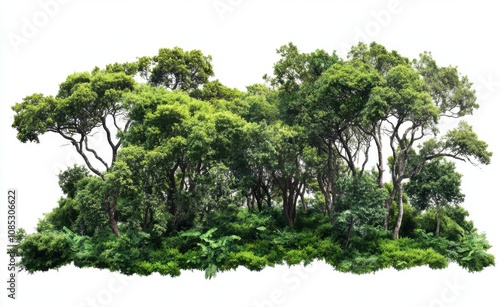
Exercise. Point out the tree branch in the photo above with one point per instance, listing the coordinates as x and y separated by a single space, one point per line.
95 153
114 148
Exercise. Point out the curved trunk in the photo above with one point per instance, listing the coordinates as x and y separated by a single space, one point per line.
113 225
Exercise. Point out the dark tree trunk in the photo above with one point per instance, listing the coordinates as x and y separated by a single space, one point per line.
110 203
112 224
349 233
326 182
290 197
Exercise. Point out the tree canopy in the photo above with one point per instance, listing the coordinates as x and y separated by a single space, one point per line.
335 159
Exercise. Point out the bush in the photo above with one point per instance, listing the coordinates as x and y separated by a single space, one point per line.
45 250
471 253
403 254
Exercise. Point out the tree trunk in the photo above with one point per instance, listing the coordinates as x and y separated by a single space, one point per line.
257 196
438 222
250 202
112 224
326 182
380 163
111 209
302 192
388 203
349 233
399 219
290 197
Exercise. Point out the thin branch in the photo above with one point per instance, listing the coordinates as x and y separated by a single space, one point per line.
79 149
95 153
114 148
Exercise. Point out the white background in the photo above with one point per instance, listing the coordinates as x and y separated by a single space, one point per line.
242 36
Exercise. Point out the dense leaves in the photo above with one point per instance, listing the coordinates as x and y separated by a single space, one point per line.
197 175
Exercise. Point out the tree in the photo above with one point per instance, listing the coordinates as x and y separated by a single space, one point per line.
294 74
334 110
185 141
374 112
176 69
307 94
333 113
436 186
67 213
411 117
187 155
451 92
290 173
86 103
358 205
255 174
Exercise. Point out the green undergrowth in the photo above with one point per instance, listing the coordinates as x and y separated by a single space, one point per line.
254 241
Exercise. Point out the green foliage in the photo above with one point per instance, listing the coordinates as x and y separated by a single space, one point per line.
200 176
247 259
214 90
358 205
213 251
403 254
464 142
170 268
82 249
69 179
45 250
449 228
176 68
410 219
471 252
438 184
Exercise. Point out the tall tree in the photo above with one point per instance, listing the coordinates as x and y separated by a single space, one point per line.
453 95
333 112
86 103
411 117
374 113
290 173
305 92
